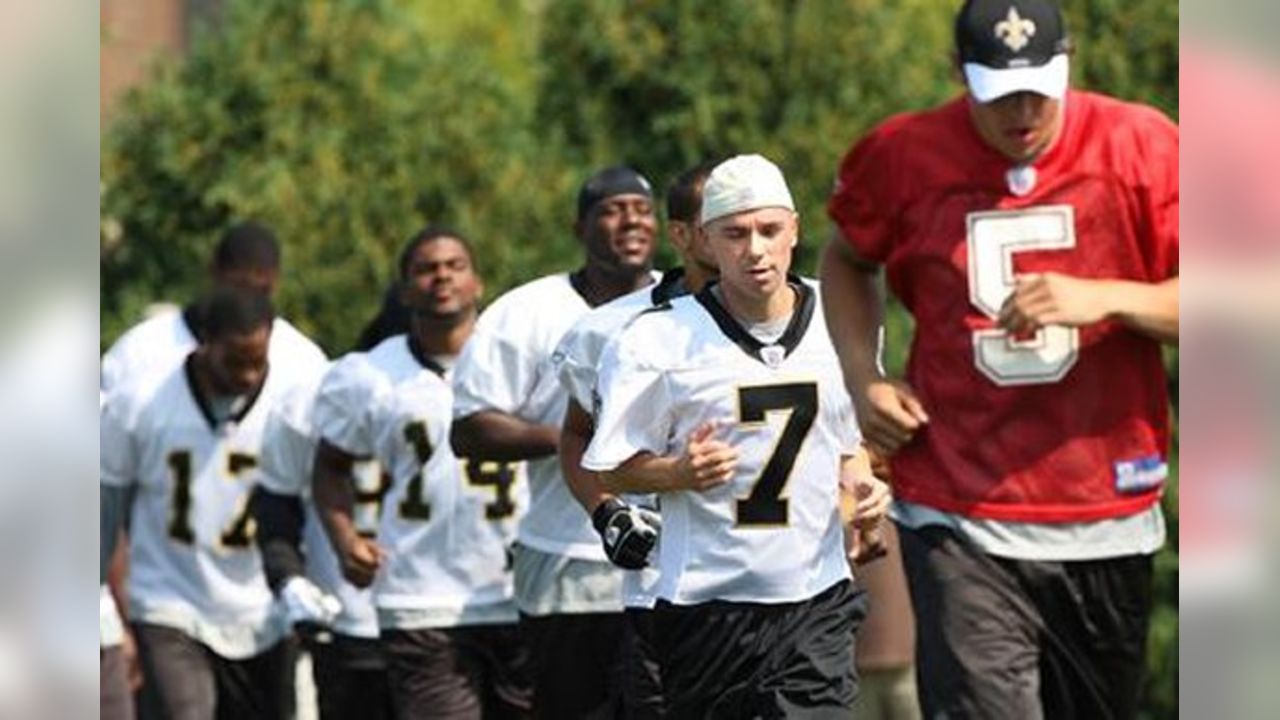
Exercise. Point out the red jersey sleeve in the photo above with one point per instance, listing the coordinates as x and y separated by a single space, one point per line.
859 205
1155 139
1164 196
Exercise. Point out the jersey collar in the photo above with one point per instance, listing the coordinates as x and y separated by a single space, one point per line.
202 402
422 357
670 287
749 344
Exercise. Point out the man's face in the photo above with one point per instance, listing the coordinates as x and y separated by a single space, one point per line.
440 281
753 250
619 234
262 280
237 362
693 247
1019 126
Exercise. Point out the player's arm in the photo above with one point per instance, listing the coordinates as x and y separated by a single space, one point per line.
333 490
628 533
705 463
280 519
888 411
501 436
575 436
1040 299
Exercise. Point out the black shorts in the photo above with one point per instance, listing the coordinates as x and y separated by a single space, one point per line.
1000 638
642 679
753 660
350 677
578 664
474 672
184 680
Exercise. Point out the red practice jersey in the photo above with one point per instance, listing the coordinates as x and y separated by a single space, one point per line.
1071 424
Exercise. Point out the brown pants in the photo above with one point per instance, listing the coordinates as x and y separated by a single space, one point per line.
466 673
1000 638
115 701
185 680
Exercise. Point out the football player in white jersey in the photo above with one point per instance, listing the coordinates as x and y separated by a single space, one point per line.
730 404
178 459
628 527
441 582
508 404
247 256
335 619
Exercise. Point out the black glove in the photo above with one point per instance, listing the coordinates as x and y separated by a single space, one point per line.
628 533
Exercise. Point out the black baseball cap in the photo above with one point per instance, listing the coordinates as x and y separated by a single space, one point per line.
1009 46
617 180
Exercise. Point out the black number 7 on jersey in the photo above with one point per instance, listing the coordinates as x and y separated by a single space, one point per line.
765 506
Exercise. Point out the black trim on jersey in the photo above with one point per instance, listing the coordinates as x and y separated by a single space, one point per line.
202 402
749 343
422 357
669 287
579 285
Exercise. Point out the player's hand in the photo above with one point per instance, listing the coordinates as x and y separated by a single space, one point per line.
890 415
628 532
132 661
871 499
707 462
360 558
1040 299
307 606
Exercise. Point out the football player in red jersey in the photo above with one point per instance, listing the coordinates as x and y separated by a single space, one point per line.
1032 232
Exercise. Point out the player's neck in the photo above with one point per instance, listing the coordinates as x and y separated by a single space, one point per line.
441 336
599 286
696 277
747 309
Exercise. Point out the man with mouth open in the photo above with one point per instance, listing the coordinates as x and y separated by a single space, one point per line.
1032 232
509 405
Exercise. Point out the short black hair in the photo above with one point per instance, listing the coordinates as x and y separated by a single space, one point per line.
247 245
431 233
233 311
684 197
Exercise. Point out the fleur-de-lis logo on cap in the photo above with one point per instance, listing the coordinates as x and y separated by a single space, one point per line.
1014 31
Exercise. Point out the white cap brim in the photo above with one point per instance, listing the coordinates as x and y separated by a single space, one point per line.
987 84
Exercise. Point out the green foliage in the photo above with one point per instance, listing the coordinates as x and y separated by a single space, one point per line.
348 124
344 127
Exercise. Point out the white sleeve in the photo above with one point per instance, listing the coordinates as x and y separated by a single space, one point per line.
287 454
495 370
118 449
115 363
342 415
850 436
633 412
574 367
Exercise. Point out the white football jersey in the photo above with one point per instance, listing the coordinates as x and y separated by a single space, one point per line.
288 453
576 359
507 366
772 534
193 562
446 524
158 344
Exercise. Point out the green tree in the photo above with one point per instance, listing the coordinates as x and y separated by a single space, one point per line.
345 128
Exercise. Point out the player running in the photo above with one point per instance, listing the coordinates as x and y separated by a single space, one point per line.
439 569
508 404
628 527
179 457
729 404
1032 232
